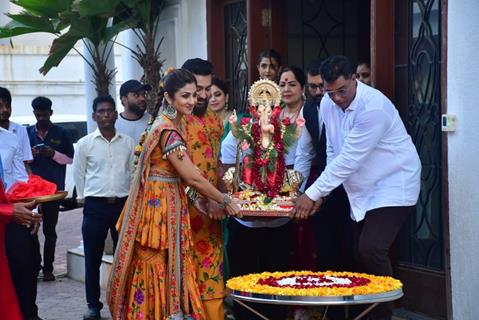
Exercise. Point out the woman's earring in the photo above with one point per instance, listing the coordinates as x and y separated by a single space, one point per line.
169 111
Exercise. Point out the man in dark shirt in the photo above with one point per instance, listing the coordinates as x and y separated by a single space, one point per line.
52 150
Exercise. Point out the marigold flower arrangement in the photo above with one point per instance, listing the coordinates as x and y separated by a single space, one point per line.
308 283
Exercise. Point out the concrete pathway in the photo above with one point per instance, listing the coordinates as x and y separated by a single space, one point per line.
64 299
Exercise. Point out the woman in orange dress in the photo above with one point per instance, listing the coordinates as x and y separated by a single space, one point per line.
153 274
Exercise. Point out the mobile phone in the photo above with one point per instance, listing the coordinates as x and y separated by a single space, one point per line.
40 146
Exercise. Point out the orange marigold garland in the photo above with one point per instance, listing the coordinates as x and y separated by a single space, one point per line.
308 283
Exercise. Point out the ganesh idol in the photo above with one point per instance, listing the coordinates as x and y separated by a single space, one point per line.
261 180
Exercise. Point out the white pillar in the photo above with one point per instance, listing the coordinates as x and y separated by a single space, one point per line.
90 91
130 67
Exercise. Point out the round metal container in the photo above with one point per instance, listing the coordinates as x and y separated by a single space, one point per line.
316 301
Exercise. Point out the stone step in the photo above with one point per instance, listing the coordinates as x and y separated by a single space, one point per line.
76 266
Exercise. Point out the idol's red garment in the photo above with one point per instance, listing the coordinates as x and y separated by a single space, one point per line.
9 309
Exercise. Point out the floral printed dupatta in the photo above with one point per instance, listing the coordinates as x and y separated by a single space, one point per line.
131 216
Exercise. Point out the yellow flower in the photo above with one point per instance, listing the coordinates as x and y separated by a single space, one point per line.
377 284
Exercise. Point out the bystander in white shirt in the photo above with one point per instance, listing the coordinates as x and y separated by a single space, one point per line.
12 158
103 168
22 135
369 152
132 128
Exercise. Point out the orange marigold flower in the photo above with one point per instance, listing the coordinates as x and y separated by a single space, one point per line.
376 284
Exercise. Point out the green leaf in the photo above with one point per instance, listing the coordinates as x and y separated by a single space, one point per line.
42 24
267 200
60 48
45 8
115 29
104 8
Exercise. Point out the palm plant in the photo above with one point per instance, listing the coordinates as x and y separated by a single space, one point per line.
142 17
62 18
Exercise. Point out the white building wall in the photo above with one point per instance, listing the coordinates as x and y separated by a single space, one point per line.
463 155
183 26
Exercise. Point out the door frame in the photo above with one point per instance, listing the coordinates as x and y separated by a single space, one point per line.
383 77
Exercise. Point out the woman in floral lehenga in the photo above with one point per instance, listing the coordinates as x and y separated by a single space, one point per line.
153 274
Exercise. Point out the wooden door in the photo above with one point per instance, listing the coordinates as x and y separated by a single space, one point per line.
407 46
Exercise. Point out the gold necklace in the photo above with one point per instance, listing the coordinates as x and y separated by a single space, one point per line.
292 116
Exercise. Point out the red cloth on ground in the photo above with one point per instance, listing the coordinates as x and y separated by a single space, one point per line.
34 187
9 309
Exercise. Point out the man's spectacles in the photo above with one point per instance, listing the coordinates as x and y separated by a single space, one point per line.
343 92
314 86
340 92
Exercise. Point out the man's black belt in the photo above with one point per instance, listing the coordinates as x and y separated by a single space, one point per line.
110 200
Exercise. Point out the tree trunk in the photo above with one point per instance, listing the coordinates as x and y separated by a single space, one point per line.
152 67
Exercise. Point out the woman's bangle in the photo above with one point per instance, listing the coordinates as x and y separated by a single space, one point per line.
226 200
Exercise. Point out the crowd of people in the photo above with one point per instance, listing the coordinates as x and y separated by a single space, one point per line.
154 182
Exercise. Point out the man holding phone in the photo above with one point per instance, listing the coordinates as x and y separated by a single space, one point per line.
52 150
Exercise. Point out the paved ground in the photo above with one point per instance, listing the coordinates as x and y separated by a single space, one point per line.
64 299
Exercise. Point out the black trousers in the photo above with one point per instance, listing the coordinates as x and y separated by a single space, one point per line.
99 216
253 250
23 254
49 213
333 229
374 237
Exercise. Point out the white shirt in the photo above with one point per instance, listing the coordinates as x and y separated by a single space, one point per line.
132 128
305 152
103 168
22 135
369 152
12 158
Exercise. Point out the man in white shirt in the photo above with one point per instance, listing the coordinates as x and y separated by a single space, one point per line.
19 130
372 155
12 155
333 227
134 120
102 170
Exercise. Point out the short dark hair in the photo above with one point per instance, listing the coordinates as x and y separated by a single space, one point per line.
298 74
270 53
5 95
334 67
313 67
102 99
42 103
198 66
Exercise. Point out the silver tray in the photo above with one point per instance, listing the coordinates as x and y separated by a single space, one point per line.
317 300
